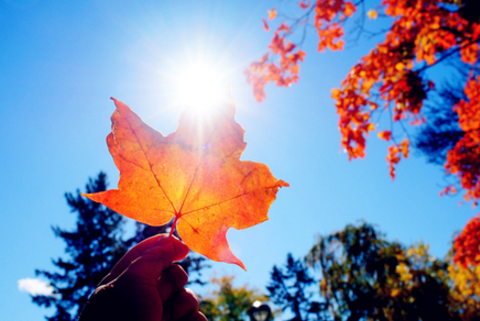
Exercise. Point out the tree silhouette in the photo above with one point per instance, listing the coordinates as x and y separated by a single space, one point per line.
93 247
289 288
441 131
366 277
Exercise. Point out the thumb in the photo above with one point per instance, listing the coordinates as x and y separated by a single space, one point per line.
181 250
150 265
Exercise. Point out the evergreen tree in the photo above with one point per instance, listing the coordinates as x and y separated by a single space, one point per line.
93 247
289 288
442 131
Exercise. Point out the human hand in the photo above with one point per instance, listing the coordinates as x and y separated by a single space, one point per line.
146 286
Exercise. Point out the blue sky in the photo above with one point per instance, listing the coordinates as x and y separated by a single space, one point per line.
62 60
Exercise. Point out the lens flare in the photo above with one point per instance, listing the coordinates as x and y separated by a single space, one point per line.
201 87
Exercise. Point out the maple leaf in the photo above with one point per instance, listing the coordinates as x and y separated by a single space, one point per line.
272 14
193 175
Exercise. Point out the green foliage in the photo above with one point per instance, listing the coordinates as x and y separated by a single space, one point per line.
366 277
363 276
229 303
465 291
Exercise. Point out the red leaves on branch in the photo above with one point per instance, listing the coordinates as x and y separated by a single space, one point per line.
284 72
395 152
193 175
390 77
354 124
469 53
280 64
467 244
421 31
415 36
329 15
464 159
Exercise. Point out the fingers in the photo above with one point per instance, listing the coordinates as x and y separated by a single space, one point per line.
181 250
129 257
149 266
181 304
172 280
170 248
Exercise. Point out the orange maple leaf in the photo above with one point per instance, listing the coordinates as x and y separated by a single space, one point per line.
272 14
193 175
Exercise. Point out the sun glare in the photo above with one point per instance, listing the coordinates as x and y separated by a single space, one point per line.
201 87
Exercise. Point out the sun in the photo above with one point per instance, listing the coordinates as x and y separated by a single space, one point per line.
201 87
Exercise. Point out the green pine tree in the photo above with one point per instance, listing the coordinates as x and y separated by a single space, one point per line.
92 247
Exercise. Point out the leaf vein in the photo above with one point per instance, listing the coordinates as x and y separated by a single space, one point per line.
228 200
150 165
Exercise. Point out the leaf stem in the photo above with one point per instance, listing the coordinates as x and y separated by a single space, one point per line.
173 226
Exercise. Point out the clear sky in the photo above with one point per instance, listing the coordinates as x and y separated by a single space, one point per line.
62 60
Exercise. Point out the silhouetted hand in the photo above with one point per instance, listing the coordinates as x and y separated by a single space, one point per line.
146 286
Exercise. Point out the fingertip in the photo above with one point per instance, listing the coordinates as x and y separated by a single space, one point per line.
181 250
199 316
164 240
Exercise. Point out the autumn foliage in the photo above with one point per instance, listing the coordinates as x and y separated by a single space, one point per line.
193 176
467 244
392 76
423 33
464 159
465 290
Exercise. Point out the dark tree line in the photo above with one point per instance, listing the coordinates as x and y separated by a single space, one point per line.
353 274
359 275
